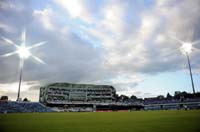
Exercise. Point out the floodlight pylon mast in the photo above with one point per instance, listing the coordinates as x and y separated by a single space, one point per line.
191 77
24 53
20 78
187 48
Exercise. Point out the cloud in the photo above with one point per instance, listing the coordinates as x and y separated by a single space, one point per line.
44 16
10 89
113 21
73 7
102 42
77 9
5 27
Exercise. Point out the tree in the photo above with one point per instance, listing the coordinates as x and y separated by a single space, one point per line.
133 97
160 97
116 96
123 98
26 100
176 93
169 96
197 94
183 95
4 98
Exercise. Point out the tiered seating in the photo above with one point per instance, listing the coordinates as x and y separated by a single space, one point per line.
147 102
21 107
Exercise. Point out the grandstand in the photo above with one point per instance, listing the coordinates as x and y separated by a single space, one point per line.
22 107
192 103
87 97
80 97
68 92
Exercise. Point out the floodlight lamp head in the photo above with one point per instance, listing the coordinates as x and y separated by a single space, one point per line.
186 48
23 52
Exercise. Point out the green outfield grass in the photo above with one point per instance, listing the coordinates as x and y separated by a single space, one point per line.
139 121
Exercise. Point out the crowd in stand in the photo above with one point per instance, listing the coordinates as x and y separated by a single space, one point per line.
179 97
21 107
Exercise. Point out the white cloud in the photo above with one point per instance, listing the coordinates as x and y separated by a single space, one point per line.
160 38
149 22
45 16
11 89
130 42
122 79
128 92
76 9
113 20
6 27
11 5
164 3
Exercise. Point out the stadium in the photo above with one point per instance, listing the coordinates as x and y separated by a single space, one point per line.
85 107
99 66
71 97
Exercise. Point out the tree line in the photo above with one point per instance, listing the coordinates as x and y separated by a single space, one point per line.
177 95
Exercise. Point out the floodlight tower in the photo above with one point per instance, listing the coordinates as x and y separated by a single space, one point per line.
186 49
188 58
20 78
24 53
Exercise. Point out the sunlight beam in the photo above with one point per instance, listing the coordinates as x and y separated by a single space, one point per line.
9 41
37 45
171 52
196 42
196 49
9 54
37 59
180 41
23 37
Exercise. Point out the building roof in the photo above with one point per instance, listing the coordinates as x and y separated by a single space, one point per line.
65 84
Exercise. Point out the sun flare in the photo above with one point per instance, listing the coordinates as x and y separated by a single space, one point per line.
23 52
186 48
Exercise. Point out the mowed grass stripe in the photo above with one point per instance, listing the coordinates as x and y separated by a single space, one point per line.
139 121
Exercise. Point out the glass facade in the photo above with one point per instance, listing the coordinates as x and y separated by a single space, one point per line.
68 92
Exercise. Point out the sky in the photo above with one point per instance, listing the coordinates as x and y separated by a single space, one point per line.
132 45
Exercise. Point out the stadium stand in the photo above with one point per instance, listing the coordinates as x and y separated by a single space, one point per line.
192 103
22 107
68 97
83 97
67 92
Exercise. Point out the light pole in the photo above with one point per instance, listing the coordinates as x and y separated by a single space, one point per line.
191 77
24 53
186 49
20 79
